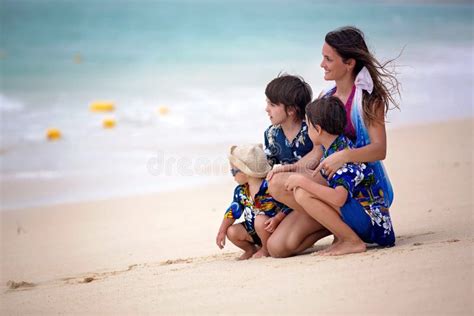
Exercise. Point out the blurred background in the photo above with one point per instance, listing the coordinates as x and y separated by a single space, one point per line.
187 79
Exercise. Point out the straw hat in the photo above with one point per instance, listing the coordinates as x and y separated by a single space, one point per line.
250 159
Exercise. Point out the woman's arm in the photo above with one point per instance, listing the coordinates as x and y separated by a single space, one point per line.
376 150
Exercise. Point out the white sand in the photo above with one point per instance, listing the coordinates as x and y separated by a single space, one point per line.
156 254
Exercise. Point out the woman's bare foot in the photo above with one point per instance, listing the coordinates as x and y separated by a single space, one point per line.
345 247
261 254
328 249
248 254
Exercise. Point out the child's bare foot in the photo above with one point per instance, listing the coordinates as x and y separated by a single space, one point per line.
248 254
345 247
260 254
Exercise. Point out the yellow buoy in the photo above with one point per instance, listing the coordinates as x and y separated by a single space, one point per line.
53 134
163 110
102 106
108 123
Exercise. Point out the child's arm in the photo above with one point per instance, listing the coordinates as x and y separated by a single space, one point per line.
220 239
309 161
336 196
273 222
281 168
233 212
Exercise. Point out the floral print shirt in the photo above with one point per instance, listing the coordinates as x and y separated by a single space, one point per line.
280 151
361 184
244 204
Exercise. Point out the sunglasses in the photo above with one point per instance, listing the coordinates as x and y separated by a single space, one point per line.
234 171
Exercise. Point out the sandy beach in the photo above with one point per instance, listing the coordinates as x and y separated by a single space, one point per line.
156 254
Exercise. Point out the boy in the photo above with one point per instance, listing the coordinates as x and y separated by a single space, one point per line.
249 167
352 207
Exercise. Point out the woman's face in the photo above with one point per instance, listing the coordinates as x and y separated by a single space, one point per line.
333 65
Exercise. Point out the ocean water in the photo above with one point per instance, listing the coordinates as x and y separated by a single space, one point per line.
208 62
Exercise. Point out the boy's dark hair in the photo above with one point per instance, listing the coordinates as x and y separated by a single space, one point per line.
291 91
329 113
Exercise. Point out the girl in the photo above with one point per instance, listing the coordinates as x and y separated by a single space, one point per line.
287 139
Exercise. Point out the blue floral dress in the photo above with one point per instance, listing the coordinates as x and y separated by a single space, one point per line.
364 211
243 204
280 151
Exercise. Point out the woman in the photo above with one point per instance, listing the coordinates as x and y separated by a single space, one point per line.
366 88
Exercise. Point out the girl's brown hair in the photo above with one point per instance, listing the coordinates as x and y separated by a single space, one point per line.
291 91
349 43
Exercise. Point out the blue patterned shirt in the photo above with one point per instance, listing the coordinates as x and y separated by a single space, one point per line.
280 151
361 184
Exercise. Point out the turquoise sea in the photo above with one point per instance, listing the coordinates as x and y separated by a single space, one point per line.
208 62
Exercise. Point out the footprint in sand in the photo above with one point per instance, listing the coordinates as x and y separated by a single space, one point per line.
452 240
448 241
19 229
199 259
176 261
88 280
97 276
404 237
12 285
76 280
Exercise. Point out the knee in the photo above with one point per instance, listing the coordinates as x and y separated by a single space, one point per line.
272 248
276 186
276 249
301 195
232 233
284 248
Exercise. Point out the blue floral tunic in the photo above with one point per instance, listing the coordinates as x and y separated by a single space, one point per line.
280 151
364 210
244 204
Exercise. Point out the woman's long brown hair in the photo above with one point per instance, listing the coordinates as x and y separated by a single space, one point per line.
349 43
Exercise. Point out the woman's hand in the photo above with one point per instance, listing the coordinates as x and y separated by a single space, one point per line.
270 175
332 163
